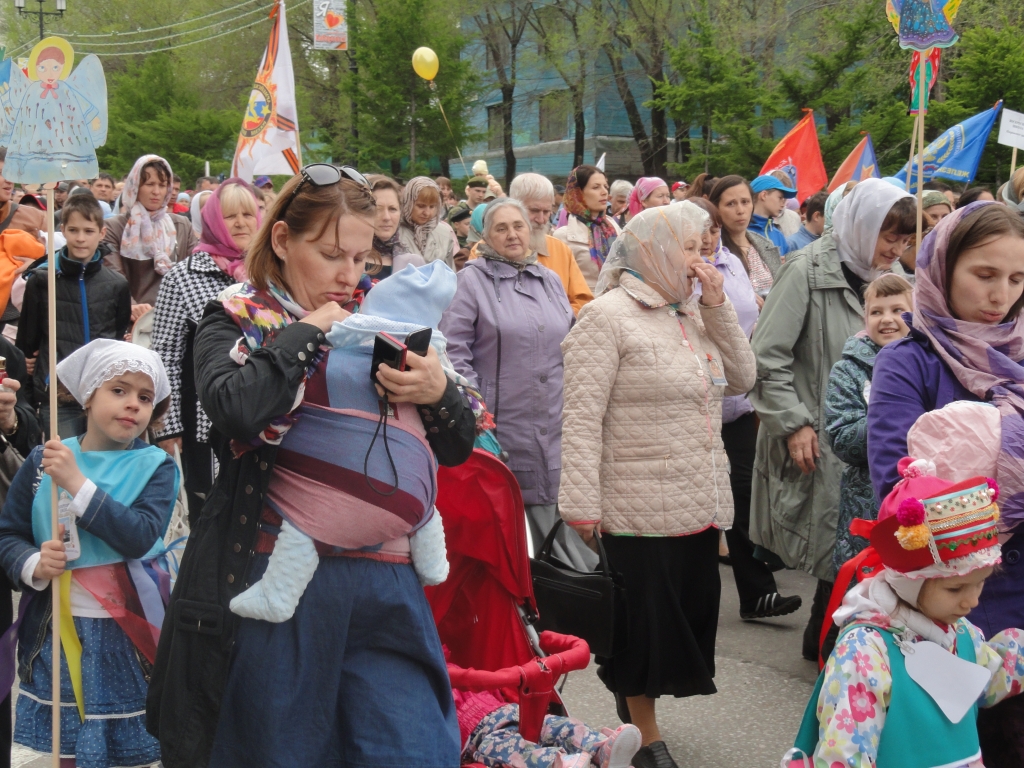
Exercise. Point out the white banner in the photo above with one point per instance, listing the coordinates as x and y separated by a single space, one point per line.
269 139
1011 129
330 28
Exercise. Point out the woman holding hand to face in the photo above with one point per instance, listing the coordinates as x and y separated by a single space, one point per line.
643 465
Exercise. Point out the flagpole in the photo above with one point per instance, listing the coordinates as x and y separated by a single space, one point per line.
922 89
913 144
1013 162
51 290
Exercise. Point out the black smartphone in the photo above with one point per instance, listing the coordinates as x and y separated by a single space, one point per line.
418 342
387 349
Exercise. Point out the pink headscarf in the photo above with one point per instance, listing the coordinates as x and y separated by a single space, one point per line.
216 239
644 186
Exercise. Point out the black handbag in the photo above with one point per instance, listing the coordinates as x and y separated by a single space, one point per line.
588 605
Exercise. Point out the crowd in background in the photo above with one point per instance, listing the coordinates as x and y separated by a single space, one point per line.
681 370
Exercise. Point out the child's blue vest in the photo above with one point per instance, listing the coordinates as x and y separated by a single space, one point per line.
122 475
911 712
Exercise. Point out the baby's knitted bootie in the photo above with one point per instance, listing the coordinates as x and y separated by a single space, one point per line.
292 565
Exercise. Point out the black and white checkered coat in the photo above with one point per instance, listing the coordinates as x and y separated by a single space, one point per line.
184 293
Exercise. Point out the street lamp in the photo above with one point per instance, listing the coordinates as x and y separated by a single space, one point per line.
62 5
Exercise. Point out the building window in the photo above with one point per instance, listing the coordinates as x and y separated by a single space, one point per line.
555 110
495 127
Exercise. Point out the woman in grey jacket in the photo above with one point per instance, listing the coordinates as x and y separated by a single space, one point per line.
813 308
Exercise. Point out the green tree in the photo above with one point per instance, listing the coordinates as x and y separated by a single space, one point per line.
717 89
983 68
856 80
152 111
399 116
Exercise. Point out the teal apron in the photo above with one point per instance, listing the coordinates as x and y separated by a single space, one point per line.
911 711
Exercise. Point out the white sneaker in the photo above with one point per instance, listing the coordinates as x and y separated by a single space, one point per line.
618 750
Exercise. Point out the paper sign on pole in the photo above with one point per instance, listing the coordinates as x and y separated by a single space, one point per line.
1011 129
330 29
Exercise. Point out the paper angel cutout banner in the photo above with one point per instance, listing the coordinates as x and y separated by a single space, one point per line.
924 24
53 118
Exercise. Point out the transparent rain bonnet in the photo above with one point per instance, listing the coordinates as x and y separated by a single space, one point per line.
653 245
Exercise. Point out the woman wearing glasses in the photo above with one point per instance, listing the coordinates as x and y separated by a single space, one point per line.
356 675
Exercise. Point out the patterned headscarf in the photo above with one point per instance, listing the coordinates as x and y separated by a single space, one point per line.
602 230
420 232
644 186
982 357
216 239
148 235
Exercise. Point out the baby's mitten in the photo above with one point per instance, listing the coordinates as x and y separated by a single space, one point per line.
429 556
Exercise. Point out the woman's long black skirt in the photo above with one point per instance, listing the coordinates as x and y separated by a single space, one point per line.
672 591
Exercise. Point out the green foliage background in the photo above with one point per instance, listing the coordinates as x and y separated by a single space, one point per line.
726 67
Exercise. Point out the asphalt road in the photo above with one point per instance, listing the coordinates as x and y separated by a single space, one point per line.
763 685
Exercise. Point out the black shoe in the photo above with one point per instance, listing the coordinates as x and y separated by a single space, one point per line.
654 755
771 605
622 709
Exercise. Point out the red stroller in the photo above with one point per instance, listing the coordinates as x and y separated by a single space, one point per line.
480 610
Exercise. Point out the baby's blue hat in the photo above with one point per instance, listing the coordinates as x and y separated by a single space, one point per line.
416 295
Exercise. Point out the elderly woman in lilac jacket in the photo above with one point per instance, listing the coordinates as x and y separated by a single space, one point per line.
504 330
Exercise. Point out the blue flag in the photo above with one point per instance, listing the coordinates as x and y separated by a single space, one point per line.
956 153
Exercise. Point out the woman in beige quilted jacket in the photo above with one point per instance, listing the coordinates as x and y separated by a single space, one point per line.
646 367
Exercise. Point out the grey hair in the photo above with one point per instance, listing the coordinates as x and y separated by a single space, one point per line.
531 186
503 202
620 187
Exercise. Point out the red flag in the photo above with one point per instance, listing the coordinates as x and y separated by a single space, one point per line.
799 155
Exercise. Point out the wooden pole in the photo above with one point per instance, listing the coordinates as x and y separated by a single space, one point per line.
1013 162
913 145
921 92
51 291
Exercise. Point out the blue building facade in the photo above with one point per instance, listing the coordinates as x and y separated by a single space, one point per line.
542 118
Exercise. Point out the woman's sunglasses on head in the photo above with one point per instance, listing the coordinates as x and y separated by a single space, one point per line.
323 175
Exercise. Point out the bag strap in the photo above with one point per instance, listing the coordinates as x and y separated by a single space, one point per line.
6 222
545 555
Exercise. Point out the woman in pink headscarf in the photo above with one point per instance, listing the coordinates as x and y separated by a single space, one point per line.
230 218
649 192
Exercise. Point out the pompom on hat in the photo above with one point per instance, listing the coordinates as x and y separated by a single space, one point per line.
927 522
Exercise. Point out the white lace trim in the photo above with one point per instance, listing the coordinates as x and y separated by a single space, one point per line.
119 368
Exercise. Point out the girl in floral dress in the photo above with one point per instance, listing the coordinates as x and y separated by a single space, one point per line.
908 663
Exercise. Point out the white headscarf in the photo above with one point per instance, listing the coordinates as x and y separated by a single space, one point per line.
85 369
857 222
651 245
148 235
196 210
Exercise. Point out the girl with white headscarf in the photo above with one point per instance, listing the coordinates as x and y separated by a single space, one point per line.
116 498
643 466
814 307
145 241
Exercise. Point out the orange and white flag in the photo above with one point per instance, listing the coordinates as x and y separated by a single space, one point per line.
269 140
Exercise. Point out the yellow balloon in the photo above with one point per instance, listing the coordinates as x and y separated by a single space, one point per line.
424 62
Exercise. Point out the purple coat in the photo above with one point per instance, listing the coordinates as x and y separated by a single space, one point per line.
504 332
911 379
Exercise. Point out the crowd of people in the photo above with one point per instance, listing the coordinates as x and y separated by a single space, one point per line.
682 374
